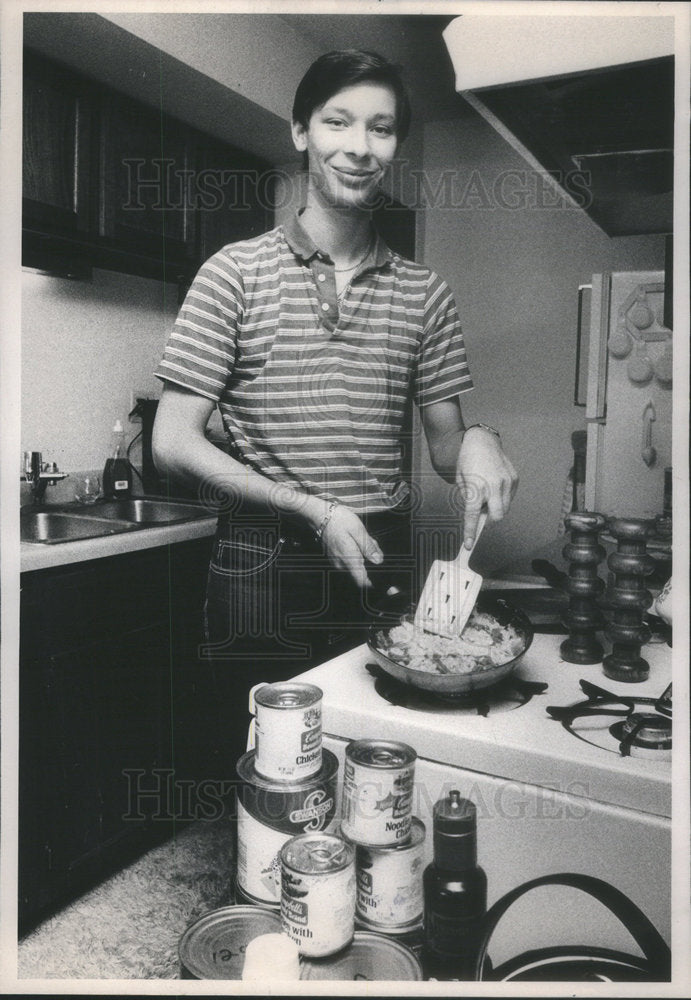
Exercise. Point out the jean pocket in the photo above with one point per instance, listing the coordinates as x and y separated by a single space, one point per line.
242 558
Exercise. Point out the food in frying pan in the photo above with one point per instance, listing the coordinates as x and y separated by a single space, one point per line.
484 643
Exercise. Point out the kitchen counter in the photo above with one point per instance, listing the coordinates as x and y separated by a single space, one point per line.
37 555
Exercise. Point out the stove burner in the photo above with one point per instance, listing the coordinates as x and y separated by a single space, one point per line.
645 731
508 694
639 732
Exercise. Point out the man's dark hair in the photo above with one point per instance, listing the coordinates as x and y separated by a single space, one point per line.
345 68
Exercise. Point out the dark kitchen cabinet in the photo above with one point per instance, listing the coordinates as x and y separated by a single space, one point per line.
233 195
111 715
396 223
146 172
60 155
110 182
58 138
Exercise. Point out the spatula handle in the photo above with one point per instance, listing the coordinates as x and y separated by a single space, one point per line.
464 555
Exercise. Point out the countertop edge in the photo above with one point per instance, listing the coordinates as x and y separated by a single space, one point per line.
37 556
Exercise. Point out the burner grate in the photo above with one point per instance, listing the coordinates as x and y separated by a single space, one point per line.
643 731
640 731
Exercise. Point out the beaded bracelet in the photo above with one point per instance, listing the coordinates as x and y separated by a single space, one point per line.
325 520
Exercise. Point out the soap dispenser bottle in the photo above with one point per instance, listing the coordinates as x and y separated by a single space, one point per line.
455 892
117 472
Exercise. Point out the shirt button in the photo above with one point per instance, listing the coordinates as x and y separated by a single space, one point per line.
325 306
321 277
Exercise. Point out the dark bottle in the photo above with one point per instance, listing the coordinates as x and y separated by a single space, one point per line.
117 472
455 891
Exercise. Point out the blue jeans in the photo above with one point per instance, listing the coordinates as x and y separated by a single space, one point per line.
276 607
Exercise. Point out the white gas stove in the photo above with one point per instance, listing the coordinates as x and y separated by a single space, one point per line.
572 794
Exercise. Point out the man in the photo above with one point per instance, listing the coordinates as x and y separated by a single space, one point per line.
312 339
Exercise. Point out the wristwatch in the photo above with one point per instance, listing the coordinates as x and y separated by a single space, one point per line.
486 427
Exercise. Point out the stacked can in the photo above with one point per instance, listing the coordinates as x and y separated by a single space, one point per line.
288 730
288 786
318 893
377 820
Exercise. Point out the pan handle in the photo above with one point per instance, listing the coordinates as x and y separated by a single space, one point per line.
649 940
554 577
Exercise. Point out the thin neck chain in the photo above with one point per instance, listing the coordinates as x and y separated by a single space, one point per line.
353 267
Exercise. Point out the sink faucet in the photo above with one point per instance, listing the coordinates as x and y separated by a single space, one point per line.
40 474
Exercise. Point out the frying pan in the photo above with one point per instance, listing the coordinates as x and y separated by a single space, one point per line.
392 611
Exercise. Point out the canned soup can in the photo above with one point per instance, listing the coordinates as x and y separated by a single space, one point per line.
370 957
288 730
270 813
378 778
389 884
318 893
214 946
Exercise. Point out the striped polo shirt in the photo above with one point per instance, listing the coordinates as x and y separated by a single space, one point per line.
313 390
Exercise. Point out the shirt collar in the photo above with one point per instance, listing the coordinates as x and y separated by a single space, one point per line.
302 244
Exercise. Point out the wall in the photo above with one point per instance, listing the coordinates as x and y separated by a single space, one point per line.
251 54
515 273
86 345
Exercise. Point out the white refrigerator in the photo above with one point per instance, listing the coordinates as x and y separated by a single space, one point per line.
628 406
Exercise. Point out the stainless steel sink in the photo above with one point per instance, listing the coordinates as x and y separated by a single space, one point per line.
105 517
143 510
51 527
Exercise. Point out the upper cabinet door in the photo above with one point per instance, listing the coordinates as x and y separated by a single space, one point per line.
146 173
233 193
58 138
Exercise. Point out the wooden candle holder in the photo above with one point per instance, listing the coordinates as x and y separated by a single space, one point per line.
583 617
629 598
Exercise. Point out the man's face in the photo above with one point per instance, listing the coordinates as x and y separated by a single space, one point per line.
350 141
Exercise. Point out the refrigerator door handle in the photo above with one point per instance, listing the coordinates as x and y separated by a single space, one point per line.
596 400
581 382
596 403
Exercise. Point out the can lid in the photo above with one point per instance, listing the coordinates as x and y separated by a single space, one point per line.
288 694
247 770
314 853
370 957
214 946
381 753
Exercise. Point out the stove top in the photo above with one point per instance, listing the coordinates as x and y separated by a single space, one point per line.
515 737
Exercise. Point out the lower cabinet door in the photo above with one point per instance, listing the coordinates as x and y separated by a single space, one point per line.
112 725
100 742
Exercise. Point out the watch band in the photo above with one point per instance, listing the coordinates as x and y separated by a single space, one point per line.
486 427
325 520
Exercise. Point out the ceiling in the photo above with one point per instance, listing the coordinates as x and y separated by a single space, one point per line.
413 41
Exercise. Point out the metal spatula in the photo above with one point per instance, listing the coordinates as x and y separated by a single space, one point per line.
450 592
